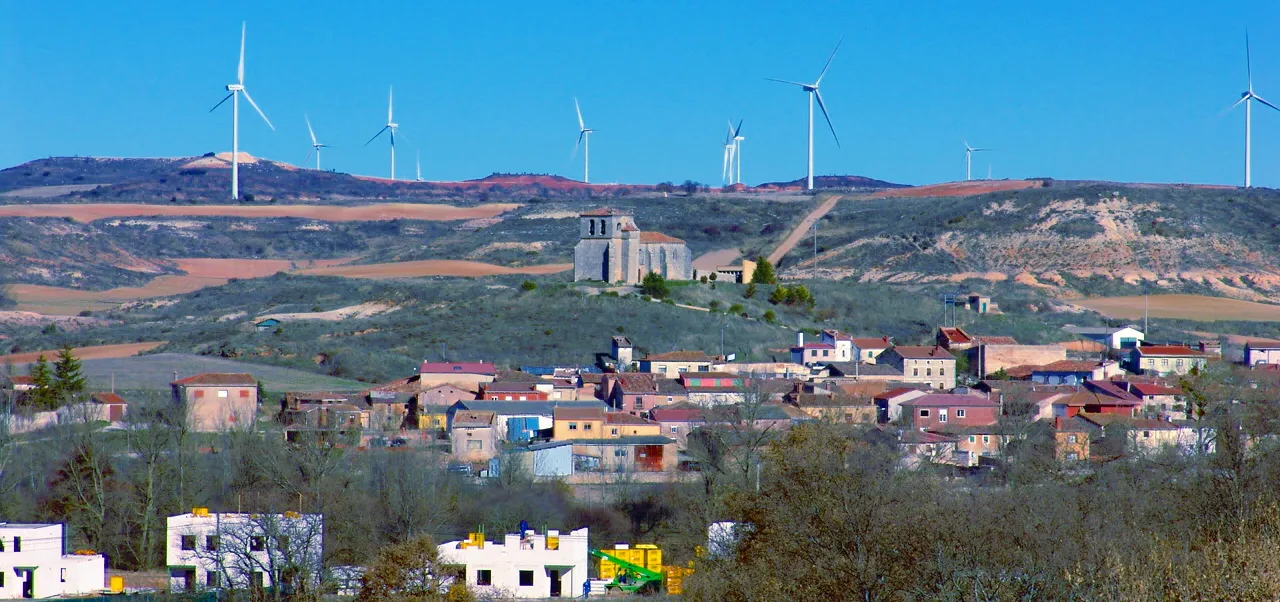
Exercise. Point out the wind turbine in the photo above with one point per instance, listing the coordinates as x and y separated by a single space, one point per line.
584 140
315 146
737 147
392 127
726 169
812 89
968 158
234 91
1246 97
417 163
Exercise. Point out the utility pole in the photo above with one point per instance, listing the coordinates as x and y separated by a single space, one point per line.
722 327
815 248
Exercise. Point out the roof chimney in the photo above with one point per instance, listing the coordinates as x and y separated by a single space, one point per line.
1057 422
799 338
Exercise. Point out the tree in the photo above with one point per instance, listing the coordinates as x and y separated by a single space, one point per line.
528 285
769 316
764 272
690 187
778 296
666 187
410 572
68 375
654 285
750 292
44 396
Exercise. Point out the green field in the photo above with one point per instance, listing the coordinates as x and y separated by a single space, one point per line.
154 372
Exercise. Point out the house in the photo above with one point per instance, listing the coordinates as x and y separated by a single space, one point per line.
1073 372
101 407
832 346
932 366
474 435
992 355
520 421
647 453
889 404
322 417
465 375
1210 346
1070 440
1159 401
973 444
713 388
1124 337
1258 352
621 424
512 391
522 565
740 273
829 406
633 392
678 420
217 401
672 364
937 411
1097 397
867 349
577 423
1147 435
433 404
548 459
244 551
953 338
923 448
36 564
268 324
621 349
854 372
18 382
1165 359
981 304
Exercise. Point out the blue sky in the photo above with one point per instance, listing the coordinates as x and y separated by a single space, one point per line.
1129 91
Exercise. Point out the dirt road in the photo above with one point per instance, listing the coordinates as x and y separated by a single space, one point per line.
802 228
85 353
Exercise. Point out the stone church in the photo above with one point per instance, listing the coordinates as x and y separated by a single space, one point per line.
611 248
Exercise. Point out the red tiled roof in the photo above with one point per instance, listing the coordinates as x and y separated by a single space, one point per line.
677 414
891 393
472 418
602 212
955 335
947 400
485 368
107 398
872 343
837 335
679 356
996 340
922 352
658 238
211 379
1108 387
1153 389
22 380
624 418
916 437
630 228
578 414
509 387
1169 350
1083 398
1068 366
637 383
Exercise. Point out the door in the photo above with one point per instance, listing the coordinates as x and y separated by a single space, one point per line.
554 575
29 584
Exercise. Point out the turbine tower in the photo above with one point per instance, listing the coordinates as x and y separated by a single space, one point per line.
392 127
234 92
315 146
737 148
968 159
726 169
417 163
584 140
812 89
1247 97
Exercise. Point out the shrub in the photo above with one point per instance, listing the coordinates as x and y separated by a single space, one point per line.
528 285
764 272
770 317
750 292
736 308
654 285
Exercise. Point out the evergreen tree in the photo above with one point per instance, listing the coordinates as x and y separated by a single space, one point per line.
43 396
654 285
751 291
779 295
68 375
764 272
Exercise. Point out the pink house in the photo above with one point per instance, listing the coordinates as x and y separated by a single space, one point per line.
632 392
937 411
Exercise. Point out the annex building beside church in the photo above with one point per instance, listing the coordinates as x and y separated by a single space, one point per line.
613 249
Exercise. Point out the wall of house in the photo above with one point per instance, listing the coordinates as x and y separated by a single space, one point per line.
615 457
939 373
504 560
1068 443
565 430
218 408
1254 357
991 358
549 462
955 416
470 382
474 444
1168 365
671 369
232 559
54 574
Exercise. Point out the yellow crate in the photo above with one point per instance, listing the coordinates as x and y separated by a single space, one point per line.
673 577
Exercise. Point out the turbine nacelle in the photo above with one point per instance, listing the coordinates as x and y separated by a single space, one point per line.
235 88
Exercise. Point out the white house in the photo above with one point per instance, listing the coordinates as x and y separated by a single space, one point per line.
832 346
1125 337
525 565
1261 352
244 551
34 564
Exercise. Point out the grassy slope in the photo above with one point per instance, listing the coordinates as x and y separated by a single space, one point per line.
157 370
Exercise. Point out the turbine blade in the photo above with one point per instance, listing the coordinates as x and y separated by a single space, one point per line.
829 59
390 98
784 81
738 130
1248 61
240 71
724 165
224 99
308 158
1263 101
1236 103
310 131
396 131
245 91
375 136
823 106
581 124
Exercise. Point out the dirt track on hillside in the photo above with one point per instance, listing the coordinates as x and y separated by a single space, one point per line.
802 229
364 213
98 352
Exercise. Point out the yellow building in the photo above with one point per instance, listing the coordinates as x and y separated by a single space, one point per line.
577 423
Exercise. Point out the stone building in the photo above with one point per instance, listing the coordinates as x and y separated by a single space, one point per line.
613 249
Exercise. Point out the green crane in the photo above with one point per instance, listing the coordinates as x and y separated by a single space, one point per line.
631 578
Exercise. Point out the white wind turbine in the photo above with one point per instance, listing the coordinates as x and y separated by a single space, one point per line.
1246 97
315 146
417 163
234 96
584 140
968 158
812 89
737 148
392 127
726 167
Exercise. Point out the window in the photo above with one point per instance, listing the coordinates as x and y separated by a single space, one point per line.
613 432
282 542
639 404
986 439
244 393
1146 434
1164 361
222 393
671 399
506 398
826 352
212 579
1072 439
973 439
17 544
1073 457
573 426
942 415
1179 363
942 371
674 429
959 413
484 577
257 544
475 444
63 574
924 413
915 372
619 453
526 578
928 371
1 578
211 543
199 393
188 542
586 426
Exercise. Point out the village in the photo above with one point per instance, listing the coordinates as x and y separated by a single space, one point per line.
948 405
